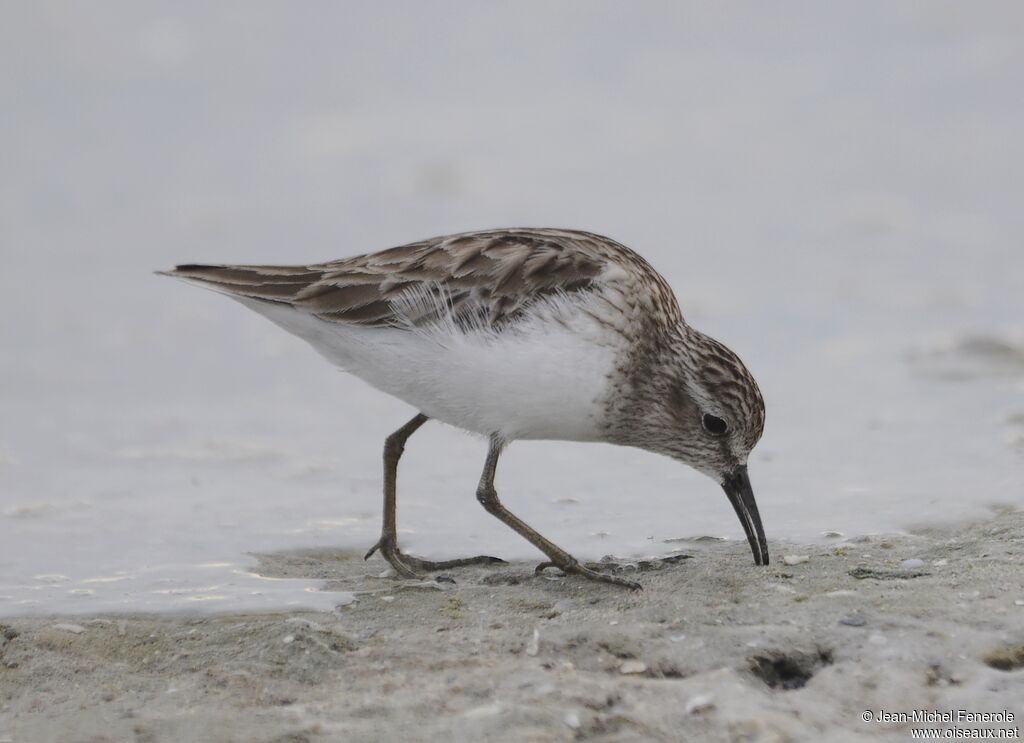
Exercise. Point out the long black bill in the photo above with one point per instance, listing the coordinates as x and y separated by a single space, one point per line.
741 495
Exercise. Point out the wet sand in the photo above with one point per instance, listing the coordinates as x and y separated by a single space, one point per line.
712 649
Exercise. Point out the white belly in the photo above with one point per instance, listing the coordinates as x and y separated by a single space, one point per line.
539 380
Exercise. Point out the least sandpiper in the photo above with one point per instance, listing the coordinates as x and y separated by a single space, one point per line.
520 334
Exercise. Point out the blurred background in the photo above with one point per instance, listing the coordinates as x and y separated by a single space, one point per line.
833 190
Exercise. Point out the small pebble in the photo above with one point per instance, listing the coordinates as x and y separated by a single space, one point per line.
633 667
912 563
940 563
288 639
699 703
1019 602
533 646
572 720
854 620
387 598
795 559
74 628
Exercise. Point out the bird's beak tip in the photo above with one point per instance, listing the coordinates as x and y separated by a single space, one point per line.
737 487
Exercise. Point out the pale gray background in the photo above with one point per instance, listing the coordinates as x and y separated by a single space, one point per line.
833 189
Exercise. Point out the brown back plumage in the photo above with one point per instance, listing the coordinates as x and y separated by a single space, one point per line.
485 278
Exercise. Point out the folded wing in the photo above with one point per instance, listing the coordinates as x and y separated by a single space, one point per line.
480 278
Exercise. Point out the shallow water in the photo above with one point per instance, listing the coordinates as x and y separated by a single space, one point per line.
832 192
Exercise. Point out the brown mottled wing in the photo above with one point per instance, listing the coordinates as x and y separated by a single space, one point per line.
480 278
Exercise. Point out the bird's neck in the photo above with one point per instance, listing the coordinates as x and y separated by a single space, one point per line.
649 373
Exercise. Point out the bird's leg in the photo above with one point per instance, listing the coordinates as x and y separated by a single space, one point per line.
488 498
394 445
406 565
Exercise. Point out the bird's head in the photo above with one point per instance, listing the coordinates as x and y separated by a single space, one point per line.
698 404
722 413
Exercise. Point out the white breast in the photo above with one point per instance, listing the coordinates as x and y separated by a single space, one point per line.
544 378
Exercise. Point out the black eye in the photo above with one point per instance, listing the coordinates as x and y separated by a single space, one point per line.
714 425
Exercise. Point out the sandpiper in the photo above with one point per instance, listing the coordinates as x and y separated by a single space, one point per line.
520 334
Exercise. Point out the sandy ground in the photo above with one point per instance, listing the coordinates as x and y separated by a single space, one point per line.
711 649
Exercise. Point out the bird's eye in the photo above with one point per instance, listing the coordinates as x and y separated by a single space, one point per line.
714 425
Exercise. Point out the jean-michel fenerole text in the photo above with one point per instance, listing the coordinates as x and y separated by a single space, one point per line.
935 715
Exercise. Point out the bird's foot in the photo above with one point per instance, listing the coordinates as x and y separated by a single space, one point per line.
389 551
407 565
572 567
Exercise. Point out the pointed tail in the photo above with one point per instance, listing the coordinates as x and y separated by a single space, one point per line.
269 283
